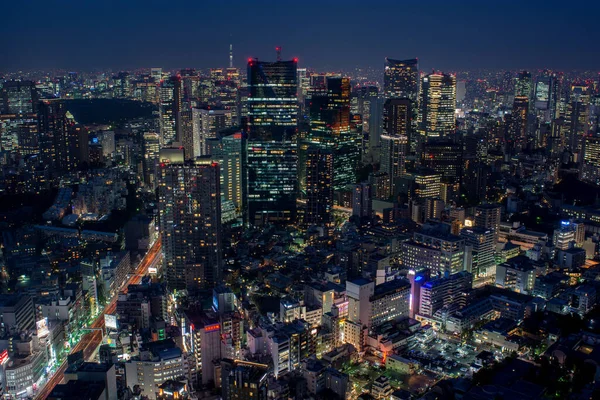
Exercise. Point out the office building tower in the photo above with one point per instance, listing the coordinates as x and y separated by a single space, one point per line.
518 128
480 249
271 146
577 117
516 274
367 105
433 208
206 123
190 223
319 189
330 129
444 157
488 216
229 152
55 126
362 203
546 95
590 171
380 183
170 106
427 183
157 363
524 85
393 158
151 149
439 293
122 87
394 144
18 97
437 105
443 254
401 79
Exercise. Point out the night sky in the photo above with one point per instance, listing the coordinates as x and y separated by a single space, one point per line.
446 35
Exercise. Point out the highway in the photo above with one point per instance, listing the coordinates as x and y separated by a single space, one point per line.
90 341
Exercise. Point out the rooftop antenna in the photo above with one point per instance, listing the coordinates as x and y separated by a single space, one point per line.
230 55
278 50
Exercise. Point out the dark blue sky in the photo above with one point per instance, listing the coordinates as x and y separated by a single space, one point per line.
447 35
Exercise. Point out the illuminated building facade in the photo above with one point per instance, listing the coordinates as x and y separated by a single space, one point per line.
190 222
437 105
319 189
271 147
170 102
401 79
330 129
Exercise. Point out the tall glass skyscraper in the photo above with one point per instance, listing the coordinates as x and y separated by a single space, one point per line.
271 146
330 128
401 79
437 105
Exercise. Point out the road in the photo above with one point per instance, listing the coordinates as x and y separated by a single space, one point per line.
90 341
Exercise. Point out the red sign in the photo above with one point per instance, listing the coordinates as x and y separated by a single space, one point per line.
211 328
4 356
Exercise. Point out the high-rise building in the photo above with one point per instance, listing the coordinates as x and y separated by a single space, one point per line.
170 105
229 152
330 129
190 223
206 123
444 157
488 216
401 79
55 135
518 128
18 97
480 249
443 254
362 203
427 183
151 149
437 105
516 274
438 293
319 189
397 131
590 171
271 146
577 117
524 85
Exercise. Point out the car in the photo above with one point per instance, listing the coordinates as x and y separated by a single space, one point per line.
463 369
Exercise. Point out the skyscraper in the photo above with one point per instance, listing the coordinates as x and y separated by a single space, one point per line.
401 79
577 116
229 152
18 97
518 132
170 103
206 123
151 149
190 223
54 124
437 105
319 189
330 129
524 85
590 170
272 150
397 120
480 248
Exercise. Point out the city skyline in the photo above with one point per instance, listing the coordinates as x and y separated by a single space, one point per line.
458 36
